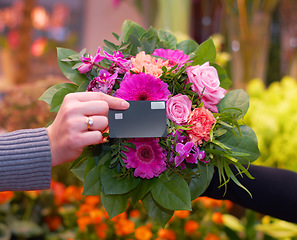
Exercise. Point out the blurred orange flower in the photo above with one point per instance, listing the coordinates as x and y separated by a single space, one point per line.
72 194
217 217
143 233
211 236
101 230
33 194
166 234
6 196
83 222
182 214
92 200
124 227
53 222
58 190
134 213
210 203
191 226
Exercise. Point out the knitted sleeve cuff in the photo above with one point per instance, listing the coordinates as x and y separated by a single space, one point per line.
25 160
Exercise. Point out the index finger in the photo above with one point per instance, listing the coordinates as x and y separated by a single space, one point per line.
113 102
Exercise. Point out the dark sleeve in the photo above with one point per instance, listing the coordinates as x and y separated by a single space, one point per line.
25 160
274 192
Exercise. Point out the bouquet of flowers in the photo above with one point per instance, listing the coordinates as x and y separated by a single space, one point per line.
204 121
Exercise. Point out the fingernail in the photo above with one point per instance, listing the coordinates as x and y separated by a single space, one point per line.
125 104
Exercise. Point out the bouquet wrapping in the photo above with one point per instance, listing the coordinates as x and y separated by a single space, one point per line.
205 127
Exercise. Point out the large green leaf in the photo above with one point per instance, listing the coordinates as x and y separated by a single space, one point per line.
206 52
225 81
172 194
128 28
159 214
79 168
114 204
114 184
66 66
248 143
201 180
92 183
235 102
142 189
58 99
47 96
168 39
187 46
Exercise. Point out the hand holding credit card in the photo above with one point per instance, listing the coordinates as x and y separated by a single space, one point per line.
142 119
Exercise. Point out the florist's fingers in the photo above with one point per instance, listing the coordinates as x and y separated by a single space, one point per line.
92 108
91 138
113 102
100 123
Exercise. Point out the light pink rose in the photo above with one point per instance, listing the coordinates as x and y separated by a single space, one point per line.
202 121
206 77
178 108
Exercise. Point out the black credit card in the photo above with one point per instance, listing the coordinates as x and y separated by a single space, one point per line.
142 119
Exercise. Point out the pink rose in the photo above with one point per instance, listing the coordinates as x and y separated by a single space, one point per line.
202 121
178 108
206 81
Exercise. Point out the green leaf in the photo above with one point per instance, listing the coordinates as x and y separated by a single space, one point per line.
48 95
173 194
114 204
66 67
234 100
201 180
187 46
92 183
168 39
58 99
128 28
114 184
142 189
83 86
159 214
247 144
225 81
110 45
90 163
79 169
206 52
134 40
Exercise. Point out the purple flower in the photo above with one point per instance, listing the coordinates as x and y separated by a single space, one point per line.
184 151
190 153
201 157
173 56
121 65
147 159
103 83
89 61
142 87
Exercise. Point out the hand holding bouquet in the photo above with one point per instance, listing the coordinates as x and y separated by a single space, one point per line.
204 121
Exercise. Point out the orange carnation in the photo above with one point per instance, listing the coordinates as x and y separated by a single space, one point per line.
148 63
202 121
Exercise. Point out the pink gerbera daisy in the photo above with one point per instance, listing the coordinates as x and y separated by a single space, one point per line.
147 159
173 56
142 87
